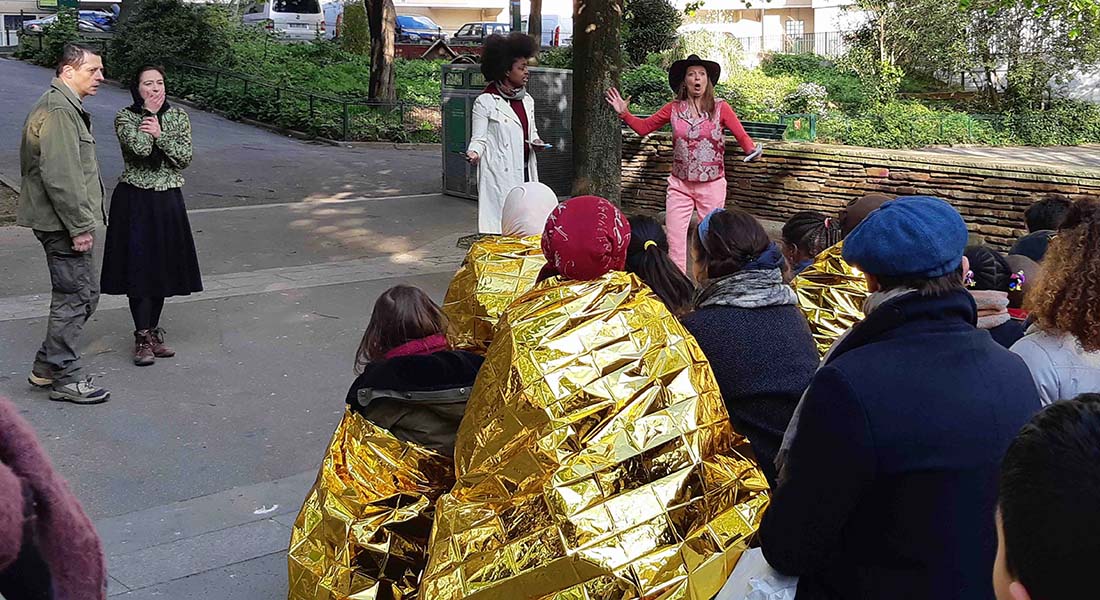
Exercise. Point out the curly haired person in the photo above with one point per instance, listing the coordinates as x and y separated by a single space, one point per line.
1062 349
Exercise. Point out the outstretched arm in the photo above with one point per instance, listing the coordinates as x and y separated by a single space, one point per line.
642 127
733 124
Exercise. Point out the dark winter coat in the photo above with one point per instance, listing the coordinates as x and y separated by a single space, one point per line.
891 479
763 359
47 542
1008 333
418 398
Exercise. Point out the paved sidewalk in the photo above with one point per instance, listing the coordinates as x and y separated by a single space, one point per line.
229 545
195 469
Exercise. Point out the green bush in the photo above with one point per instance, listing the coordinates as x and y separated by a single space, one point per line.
283 75
807 98
722 48
648 87
757 97
418 81
160 30
354 29
845 89
792 64
649 26
557 58
53 39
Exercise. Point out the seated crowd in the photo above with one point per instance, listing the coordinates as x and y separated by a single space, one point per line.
920 412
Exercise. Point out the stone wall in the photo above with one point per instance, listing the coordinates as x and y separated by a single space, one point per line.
792 177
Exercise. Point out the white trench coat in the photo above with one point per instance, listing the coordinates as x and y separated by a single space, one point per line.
497 137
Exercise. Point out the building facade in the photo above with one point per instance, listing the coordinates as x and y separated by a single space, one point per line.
792 26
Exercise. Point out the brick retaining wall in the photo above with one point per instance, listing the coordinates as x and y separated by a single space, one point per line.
791 177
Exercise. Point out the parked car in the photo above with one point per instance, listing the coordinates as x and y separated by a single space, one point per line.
412 29
299 20
475 33
557 30
93 21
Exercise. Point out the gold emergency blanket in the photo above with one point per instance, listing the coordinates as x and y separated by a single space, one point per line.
831 294
363 529
497 270
596 459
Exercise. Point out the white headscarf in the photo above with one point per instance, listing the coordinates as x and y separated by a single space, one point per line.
526 208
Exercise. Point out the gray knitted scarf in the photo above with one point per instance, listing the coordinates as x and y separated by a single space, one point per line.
747 289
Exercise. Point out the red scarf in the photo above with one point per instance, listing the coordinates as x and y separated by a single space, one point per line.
429 345
521 114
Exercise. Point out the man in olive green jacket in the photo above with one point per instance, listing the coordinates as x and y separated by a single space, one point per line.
61 199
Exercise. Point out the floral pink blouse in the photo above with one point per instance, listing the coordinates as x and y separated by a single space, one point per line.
698 143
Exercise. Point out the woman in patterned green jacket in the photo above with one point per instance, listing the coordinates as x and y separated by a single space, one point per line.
150 253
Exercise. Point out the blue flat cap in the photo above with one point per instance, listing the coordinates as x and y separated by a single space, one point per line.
911 236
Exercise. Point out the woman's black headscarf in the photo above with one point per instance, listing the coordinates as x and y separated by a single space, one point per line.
139 103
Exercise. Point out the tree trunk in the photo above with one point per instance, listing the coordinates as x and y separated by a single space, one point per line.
597 130
382 18
534 21
125 9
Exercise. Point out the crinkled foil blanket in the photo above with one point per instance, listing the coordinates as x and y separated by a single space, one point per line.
497 270
363 529
596 459
831 294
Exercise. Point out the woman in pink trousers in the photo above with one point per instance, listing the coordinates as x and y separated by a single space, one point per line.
698 180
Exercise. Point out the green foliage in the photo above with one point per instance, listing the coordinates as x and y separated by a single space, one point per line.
913 125
648 85
757 97
54 37
418 81
160 30
282 76
557 58
354 29
792 64
722 48
648 26
807 98
1078 15
845 88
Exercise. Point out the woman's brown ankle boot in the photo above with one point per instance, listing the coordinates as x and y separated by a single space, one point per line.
143 348
160 349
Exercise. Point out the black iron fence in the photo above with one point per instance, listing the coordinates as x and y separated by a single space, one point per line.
830 44
241 95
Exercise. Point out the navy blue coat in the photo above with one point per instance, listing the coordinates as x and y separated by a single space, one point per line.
763 359
890 485
1008 333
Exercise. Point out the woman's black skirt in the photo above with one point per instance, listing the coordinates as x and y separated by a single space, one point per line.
149 252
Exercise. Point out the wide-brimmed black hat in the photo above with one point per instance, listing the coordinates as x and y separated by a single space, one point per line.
678 70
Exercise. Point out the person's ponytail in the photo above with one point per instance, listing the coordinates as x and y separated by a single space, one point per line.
647 257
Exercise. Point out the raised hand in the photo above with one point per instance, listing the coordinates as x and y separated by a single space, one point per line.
151 126
154 102
617 102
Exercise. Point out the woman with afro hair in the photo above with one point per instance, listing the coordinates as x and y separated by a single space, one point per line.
503 134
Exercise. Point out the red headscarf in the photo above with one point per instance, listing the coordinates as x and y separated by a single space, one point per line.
585 237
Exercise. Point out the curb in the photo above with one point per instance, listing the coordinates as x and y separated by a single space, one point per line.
9 183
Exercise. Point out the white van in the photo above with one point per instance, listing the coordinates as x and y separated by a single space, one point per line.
300 20
557 30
